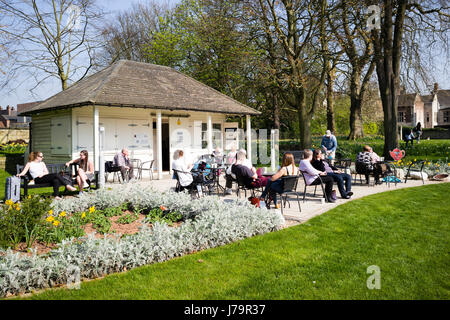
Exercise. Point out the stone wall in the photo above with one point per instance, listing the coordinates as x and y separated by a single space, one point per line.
8 134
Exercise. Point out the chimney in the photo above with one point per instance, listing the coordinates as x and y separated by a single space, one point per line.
435 88
8 109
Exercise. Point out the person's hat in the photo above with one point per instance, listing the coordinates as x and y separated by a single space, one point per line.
328 133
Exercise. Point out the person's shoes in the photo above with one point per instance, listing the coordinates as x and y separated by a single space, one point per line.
331 200
85 185
58 198
347 197
71 188
349 194
277 206
80 193
229 191
378 182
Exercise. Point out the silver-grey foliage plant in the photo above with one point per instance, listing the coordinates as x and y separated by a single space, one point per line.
209 222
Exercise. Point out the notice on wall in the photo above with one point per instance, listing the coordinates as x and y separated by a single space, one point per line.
141 139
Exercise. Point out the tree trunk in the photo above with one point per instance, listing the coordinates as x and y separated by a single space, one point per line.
330 99
304 120
276 110
356 122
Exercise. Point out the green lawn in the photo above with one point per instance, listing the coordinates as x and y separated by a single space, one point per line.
405 232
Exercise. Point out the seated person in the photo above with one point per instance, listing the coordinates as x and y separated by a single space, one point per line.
365 164
339 177
275 183
184 176
244 174
122 160
241 159
39 172
85 169
312 175
231 156
217 156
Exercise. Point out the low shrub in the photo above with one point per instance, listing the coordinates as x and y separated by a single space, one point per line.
209 222
20 221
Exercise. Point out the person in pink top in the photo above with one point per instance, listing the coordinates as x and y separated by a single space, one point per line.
312 175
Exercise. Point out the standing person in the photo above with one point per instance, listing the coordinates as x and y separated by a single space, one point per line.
85 169
275 184
410 138
122 160
343 180
418 131
329 145
312 175
39 172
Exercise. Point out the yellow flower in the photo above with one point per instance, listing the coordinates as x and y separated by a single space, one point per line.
18 207
83 215
62 214
9 202
29 196
56 223
50 212
50 219
92 209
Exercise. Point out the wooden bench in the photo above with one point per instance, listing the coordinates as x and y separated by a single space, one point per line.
52 168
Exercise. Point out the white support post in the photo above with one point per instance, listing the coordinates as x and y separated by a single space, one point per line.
210 144
96 135
159 143
249 138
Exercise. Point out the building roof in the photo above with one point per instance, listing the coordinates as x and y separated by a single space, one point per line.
428 98
23 107
142 85
405 100
444 98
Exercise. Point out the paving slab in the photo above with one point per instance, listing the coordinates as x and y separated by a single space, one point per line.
313 205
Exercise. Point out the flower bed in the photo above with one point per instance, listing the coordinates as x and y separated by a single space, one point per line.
207 223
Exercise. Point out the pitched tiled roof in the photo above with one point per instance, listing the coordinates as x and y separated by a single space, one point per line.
405 100
444 98
143 85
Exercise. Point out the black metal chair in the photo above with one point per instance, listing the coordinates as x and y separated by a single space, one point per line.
149 169
289 188
362 168
412 168
115 170
315 183
242 186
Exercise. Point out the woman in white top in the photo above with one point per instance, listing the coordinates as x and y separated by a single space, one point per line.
39 172
85 169
275 184
183 170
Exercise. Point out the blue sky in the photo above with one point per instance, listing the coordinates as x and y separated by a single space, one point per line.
22 94
51 87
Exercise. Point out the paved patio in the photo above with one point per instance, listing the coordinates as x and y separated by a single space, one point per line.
312 206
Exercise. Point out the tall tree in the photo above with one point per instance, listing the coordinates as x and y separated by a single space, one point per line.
50 38
299 27
349 25
388 41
